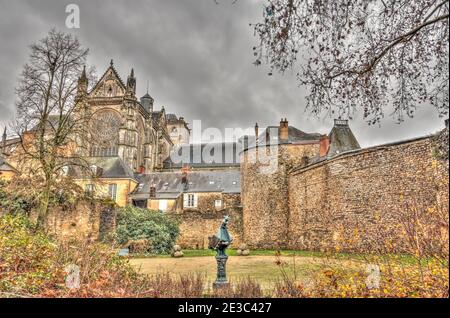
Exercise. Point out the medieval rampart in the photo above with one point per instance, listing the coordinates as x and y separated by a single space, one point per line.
361 198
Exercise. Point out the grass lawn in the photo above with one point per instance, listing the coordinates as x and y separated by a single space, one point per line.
400 258
261 265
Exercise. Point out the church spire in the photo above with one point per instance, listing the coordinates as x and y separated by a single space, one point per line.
83 74
82 84
131 82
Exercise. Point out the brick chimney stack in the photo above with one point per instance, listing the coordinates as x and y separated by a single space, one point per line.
283 130
324 145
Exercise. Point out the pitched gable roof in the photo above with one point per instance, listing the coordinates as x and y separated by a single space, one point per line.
111 168
270 135
5 166
169 185
110 70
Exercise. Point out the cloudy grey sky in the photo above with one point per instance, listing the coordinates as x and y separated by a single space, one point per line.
196 55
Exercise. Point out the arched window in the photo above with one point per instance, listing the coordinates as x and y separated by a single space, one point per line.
140 142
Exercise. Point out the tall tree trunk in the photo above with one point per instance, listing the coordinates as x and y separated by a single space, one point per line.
44 206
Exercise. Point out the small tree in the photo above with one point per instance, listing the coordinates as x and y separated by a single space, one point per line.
50 121
361 54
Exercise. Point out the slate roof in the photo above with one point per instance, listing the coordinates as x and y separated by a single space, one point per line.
11 141
147 96
171 117
111 168
169 185
203 155
155 117
5 166
341 138
52 123
295 136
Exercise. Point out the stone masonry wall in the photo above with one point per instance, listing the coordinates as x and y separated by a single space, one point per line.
85 221
264 195
358 197
197 225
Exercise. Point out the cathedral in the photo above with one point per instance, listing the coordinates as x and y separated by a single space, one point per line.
127 127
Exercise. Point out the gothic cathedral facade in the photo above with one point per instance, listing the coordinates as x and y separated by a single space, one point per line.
123 126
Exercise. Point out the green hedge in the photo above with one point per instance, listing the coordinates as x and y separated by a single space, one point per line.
158 228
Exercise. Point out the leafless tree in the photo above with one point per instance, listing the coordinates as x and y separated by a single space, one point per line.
364 55
50 121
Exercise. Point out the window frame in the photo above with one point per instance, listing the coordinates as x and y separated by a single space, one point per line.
190 200
112 191
89 189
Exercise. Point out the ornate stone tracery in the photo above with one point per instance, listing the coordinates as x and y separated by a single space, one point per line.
105 125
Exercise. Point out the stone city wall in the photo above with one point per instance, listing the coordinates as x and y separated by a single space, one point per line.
265 192
359 200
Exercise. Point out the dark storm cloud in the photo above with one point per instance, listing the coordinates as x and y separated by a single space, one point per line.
196 56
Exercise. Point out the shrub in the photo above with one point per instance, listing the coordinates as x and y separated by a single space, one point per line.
25 257
134 224
13 201
22 195
33 265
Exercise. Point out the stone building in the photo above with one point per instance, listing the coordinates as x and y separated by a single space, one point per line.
320 190
200 199
7 171
108 177
282 187
265 168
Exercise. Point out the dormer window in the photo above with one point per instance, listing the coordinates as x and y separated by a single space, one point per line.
95 170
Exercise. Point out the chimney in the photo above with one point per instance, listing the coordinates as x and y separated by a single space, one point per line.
256 134
341 122
324 145
244 141
4 139
184 177
283 130
152 192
